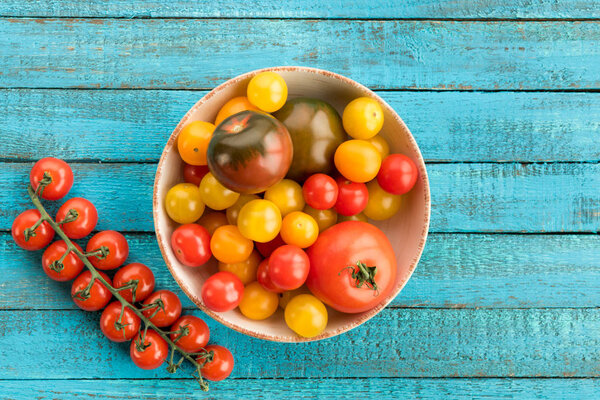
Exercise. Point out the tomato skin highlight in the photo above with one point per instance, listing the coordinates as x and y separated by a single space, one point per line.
86 221
352 197
43 233
288 267
111 314
135 271
191 245
221 365
61 174
320 191
222 291
197 337
99 294
153 356
72 265
398 174
118 249
169 314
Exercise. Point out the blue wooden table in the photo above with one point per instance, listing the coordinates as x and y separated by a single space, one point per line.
503 100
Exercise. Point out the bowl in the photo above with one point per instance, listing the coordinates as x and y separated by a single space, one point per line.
407 230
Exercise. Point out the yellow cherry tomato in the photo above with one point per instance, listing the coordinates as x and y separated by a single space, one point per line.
229 246
233 211
299 229
215 195
286 195
381 205
245 270
381 145
356 217
193 140
257 302
363 118
259 220
183 203
285 297
212 220
267 91
306 315
324 218
357 160
234 106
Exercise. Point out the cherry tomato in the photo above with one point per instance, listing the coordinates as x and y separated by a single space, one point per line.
191 245
220 366
168 313
285 297
257 302
398 174
60 174
229 246
117 247
286 195
194 173
382 205
86 217
152 356
288 267
324 218
68 268
268 247
215 195
234 211
299 229
267 91
195 336
43 234
381 145
234 106
222 292
363 118
183 203
356 217
212 220
259 220
306 315
193 140
135 272
263 277
320 191
119 330
352 197
357 160
99 295
245 270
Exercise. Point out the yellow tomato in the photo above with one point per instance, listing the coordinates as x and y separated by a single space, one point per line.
299 229
193 140
324 218
356 217
285 297
234 106
212 220
259 220
381 205
233 211
306 315
267 91
215 195
357 160
257 302
245 270
381 145
183 203
229 246
363 118
286 195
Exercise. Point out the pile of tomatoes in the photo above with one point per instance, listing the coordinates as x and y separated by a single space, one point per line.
279 191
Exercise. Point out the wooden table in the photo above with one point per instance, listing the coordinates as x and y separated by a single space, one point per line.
502 99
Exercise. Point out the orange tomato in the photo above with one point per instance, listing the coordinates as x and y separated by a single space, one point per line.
299 229
229 246
234 106
212 220
357 160
193 140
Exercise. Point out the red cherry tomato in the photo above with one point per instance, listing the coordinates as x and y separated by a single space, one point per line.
117 246
352 197
320 191
197 335
119 330
288 267
98 296
222 291
43 233
191 245
63 271
168 313
194 173
86 217
269 247
152 356
398 174
60 174
135 272
220 366
263 277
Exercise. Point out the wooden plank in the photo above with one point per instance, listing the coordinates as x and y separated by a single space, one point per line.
183 53
395 343
468 126
509 271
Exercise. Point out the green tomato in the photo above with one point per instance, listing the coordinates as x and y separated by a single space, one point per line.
184 203
286 195
324 218
215 195
259 220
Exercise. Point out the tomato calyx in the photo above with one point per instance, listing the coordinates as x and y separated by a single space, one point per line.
133 285
363 275
45 181
100 253
28 233
84 294
71 216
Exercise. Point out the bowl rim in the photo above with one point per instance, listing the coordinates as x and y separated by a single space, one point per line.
367 315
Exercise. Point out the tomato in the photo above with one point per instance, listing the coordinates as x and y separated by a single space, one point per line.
134 273
381 145
114 244
285 297
85 214
116 327
234 106
61 270
212 220
222 292
166 310
42 235
352 197
288 267
299 229
320 191
263 277
257 302
219 365
191 245
194 173
306 315
268 247
259 220
382 205
356 217
96 298
228 245
215 195
286 195
183 203
193 140
195 333
267 91
352 267
150 354
363 118
59 174
245 270
234 211
357 160
324 218
398 174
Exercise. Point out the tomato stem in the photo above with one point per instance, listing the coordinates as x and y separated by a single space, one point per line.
71 216
45 181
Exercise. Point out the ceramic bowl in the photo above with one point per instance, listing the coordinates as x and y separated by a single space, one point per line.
407 230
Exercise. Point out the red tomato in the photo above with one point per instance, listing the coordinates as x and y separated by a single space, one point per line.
152 353
263 277
352 197
119 330
58 172
63 271
222 291
194 173
85 221
98 296
398 174
197 335
220 366
335 276
288 267
191 245
135 272
42 235
117 247
320 191
269 247
166 310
